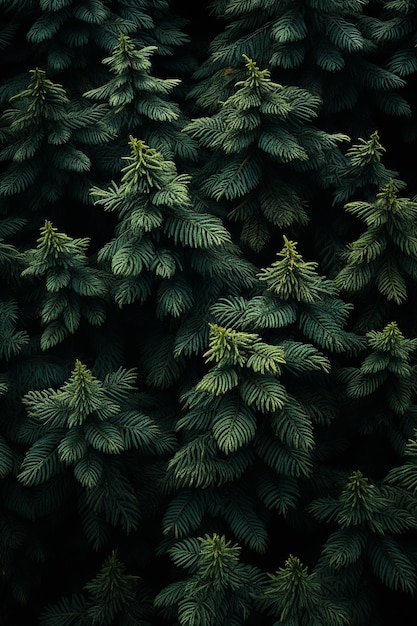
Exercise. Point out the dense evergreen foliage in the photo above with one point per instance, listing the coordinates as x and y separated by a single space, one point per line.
208 305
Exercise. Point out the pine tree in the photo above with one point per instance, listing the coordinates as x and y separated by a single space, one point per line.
139 104
329 48
87 424
255 416
207 312
362 171
295 596
71 288
46 139
379 266
381 392
68 38
359 174
111 597
366 545
219 587
259 143
40 135
164 248
293 302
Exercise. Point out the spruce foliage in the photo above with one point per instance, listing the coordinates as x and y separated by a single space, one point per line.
382 258
164 248
261 127
72 289
219 585
208 312
36 133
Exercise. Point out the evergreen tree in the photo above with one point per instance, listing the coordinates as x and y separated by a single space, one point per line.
139 104
219 587
111 597
87 424
360 173
207 312
366 544
384 388
379 267
71 288
258 144
295 596
328 47
255 416
68 38
164 248
44 136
